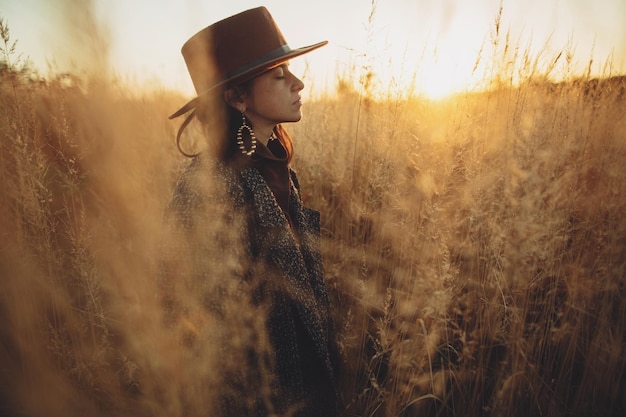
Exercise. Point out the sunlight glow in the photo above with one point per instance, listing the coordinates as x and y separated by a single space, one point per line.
425 47
438 80
438 49
430 54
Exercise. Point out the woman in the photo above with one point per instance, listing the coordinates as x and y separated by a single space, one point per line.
239 67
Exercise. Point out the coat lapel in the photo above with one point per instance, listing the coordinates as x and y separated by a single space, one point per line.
297 257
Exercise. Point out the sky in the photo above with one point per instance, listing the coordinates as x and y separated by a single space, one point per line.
433 44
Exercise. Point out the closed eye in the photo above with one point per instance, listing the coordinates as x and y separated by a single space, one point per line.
282 70
280 73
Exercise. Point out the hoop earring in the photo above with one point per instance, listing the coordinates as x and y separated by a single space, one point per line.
242 146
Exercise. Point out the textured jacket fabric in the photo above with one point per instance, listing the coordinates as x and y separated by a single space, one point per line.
285 264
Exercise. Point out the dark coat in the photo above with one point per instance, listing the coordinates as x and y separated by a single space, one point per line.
284 262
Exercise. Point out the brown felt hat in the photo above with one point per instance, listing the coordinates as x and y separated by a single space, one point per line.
234 50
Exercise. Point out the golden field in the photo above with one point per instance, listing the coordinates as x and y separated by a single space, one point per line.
475 249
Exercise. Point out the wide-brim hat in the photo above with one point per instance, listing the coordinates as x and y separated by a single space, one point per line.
234 50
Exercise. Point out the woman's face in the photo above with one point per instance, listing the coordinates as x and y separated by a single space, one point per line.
274 98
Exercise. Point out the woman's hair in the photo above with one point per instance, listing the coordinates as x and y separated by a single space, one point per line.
221 121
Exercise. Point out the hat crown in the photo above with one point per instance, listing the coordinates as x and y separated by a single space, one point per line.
229 48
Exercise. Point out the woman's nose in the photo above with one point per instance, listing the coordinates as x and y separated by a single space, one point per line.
297 83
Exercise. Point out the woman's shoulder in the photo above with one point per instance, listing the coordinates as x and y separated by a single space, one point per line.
202 171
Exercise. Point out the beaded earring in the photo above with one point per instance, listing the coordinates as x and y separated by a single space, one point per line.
242 146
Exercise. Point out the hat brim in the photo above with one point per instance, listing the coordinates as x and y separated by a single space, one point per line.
249 72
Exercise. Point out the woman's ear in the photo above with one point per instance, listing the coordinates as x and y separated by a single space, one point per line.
234 99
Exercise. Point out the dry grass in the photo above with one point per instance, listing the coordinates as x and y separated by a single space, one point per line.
475 250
